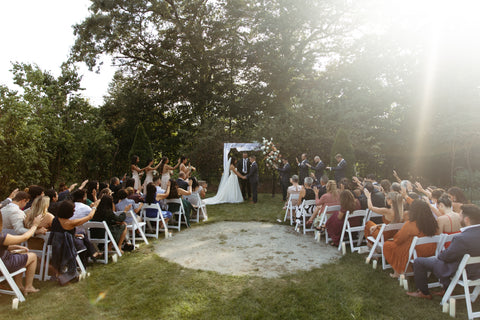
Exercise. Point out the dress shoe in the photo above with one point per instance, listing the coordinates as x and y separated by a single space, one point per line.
420 294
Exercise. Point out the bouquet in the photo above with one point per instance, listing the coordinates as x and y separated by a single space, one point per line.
271 154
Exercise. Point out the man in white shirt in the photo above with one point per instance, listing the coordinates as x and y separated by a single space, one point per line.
13 216
81 209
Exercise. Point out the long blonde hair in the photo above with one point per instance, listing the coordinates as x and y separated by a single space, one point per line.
332 188
397 206
39 206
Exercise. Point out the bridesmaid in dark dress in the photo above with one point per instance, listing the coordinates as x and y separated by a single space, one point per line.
24 259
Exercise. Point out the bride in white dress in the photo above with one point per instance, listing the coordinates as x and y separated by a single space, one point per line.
229 188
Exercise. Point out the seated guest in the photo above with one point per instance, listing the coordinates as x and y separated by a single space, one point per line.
295 188
458 198
39 207
81 209
116 223
34 191
64 193
157 182
377 197
392 214
153 197
449 222
53 206
196 189
396 187
92 191
386 186
335 223
181 182
445 265
64 228
115 186
135 196
13 216
421 223
124 202
24 259
307 193
105 191
331 198
176 193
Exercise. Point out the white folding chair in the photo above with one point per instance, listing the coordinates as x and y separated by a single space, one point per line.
201 207
291 207
380 241
371 214
156 220
9 278
349 229
461 278
180 212
304 211
412 253
327 213
136 226
447 238
42 254
108 237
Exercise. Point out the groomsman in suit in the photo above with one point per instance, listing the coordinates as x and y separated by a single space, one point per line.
284 177
302 169
445 265
252 177
339 170
243 166
318 168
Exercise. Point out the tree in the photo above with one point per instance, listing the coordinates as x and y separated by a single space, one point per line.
141 146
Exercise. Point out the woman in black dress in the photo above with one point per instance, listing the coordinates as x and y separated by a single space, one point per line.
116 223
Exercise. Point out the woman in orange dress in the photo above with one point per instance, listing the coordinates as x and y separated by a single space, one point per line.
392 214
421 223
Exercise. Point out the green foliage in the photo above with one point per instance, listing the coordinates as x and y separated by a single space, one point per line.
50 134
141 146
343 146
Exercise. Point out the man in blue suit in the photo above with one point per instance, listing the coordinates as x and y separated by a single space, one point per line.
340 169
445 265
252 177
284 177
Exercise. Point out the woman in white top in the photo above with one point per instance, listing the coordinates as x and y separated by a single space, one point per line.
136 172
295 188
164 169
184 168
149 174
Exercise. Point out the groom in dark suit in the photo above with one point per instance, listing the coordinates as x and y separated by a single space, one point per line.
252 177
445 265
243 166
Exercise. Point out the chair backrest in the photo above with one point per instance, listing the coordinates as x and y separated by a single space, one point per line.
447 238
393 226
356 214
329 209
423 240
153 206
177 201
294 196
371 214
95 225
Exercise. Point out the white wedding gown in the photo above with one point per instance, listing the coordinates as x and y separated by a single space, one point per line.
228 190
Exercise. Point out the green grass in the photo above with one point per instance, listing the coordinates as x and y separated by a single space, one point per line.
144 286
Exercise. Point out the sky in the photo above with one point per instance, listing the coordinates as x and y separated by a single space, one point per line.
40 32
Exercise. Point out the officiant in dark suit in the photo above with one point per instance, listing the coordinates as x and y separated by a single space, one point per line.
318 168
243 166
340 169
284 177
302 168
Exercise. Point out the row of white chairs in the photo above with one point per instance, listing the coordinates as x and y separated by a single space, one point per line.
156 224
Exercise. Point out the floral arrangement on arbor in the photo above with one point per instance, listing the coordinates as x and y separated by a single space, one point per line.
270 152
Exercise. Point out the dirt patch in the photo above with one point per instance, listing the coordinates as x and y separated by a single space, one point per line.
246 248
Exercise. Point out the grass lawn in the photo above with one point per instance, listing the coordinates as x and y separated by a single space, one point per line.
144 286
